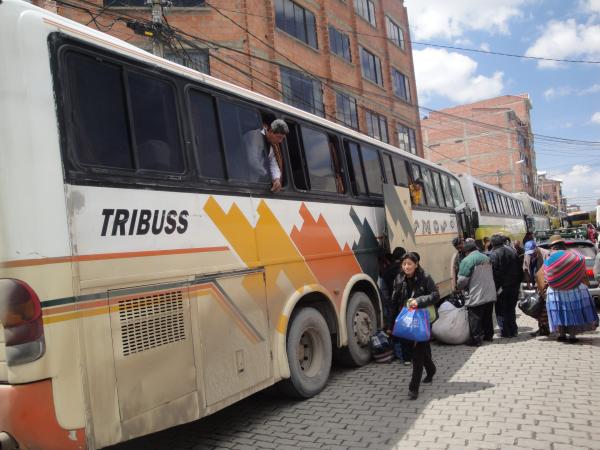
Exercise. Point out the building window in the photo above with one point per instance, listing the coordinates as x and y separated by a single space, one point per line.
366 10
346 110
339 43
143 3
301 91
406 139
371 67
401 85
297 21
377 126
394 32
194 59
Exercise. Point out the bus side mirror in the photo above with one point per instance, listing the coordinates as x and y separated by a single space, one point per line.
474 219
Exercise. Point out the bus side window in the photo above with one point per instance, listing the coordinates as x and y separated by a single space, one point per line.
336 162
156 123
416 187
297 161
357 179
429 192
400 171
499 199
242 139
437 184
101 112
447 191
513 207
207 143
387 167
319 160
373 171
482 200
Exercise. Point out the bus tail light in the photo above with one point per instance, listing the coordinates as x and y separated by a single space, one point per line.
21 317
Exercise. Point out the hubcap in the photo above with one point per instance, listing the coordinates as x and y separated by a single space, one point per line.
309 352
362 326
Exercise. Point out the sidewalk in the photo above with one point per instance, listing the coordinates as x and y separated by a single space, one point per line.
520 393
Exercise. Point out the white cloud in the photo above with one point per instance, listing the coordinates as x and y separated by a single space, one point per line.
578 183
596 118
454 76
485 47
463 43
450 19
590 6
566 40
563 91
593 89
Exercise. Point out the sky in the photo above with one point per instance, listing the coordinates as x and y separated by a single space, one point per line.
565 96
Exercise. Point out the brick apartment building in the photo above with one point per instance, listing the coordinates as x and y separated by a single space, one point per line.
551 192
490 140
347 60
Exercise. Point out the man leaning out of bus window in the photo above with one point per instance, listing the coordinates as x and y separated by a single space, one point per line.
263 149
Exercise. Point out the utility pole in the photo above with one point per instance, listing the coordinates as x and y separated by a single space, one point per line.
157 21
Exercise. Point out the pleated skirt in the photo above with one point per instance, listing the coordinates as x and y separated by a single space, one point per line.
571 311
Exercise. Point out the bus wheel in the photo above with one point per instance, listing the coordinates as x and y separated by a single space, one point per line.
309 354
361 323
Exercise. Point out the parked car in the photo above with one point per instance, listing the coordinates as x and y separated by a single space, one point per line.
588 250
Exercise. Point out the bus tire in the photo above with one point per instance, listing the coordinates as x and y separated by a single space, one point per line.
309 354
361 323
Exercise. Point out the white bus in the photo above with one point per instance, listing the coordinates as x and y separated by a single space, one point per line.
536 213
498 211
145 279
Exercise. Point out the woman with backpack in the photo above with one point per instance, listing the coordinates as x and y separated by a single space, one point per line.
414 288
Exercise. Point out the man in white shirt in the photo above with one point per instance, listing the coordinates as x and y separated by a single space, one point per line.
264 153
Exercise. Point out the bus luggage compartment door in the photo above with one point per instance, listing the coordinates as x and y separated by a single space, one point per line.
153 348
233 334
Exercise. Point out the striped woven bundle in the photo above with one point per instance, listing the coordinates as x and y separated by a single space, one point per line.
564 270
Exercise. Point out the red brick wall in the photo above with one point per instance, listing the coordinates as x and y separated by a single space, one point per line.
481 139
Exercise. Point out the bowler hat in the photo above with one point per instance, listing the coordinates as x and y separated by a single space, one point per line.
555 239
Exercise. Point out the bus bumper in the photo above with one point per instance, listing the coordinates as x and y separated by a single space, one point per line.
27 416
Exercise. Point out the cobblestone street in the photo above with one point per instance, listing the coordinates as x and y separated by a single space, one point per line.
521 393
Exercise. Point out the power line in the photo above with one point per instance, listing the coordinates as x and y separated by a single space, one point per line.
432 44
367 93
561 140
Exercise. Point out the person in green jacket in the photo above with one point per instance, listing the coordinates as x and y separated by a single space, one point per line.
475 275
